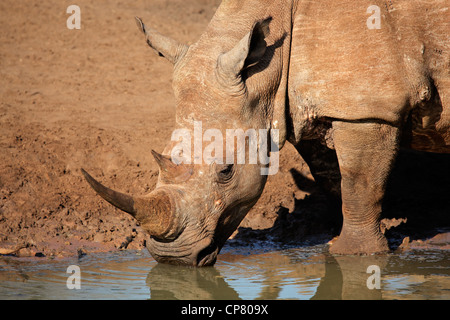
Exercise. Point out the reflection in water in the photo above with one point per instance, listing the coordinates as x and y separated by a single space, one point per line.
301 273
174 282
280 275
346 278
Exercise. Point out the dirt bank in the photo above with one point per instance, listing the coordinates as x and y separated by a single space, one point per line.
98 98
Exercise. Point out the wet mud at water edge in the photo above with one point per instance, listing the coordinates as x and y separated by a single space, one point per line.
248 273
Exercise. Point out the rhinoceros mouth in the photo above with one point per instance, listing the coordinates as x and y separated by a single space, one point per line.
208 256
196 253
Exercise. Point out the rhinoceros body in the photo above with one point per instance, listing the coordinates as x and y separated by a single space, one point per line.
362 78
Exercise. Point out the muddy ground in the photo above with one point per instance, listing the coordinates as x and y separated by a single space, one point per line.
100 99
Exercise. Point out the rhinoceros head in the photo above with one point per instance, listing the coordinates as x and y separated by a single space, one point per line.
205 186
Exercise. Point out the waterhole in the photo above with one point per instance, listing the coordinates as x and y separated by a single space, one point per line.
240 273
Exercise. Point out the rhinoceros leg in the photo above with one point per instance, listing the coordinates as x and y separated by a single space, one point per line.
366 152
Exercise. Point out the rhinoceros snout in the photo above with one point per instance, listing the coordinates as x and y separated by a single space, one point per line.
199 254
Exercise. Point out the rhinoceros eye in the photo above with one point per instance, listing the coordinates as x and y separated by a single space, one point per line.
225 173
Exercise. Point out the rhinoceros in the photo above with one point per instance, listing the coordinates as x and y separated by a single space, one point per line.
361 78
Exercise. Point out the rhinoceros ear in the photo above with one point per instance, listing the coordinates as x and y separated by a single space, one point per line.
164 46
246 53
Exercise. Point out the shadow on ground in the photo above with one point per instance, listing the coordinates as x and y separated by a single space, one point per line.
416 207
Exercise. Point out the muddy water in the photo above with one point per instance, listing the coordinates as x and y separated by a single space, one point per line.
240 273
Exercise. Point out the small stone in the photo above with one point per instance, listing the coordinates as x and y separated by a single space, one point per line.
81 253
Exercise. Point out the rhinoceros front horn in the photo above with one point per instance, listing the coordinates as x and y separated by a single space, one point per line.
156 212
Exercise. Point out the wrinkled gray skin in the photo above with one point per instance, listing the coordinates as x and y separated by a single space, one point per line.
317 73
